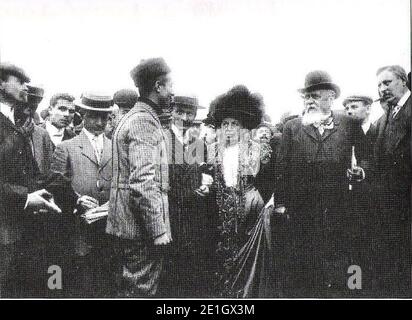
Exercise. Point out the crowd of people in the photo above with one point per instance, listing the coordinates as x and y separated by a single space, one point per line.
317 205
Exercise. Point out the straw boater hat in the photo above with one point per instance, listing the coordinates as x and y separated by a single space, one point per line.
238 103
95 102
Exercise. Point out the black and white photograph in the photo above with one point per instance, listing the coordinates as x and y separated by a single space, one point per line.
205 149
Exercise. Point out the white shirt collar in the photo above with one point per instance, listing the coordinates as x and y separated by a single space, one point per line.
7 111
366 126
56 134
92 137
404 98
178 133
52 130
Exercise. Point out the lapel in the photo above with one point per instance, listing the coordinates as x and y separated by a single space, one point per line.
107 154
86 148
327 133
402 123
312 132
6 122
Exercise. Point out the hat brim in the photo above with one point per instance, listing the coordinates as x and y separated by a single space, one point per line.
320 86
187 106
81 105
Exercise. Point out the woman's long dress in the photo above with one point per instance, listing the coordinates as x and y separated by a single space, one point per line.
238 204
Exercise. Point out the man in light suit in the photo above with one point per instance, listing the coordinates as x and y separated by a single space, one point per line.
86 163
19 194
139 208
393 181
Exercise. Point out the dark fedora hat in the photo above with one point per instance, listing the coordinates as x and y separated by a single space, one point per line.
95 102
318 79
148 70
186 101
366 99
34 95
10 69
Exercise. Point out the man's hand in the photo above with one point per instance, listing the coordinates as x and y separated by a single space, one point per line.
41 200
202 191
162 240
356 174
87 202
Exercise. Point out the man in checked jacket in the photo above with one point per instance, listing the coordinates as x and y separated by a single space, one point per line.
139 209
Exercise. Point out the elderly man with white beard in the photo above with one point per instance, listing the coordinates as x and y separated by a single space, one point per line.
314 190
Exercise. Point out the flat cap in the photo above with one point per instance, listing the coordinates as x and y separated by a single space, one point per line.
366 99
125 98
11 69
187 101
148 70
34 94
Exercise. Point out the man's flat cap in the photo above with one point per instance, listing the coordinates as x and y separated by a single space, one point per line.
34 94
125 98
187 101
148 70
366 99
11 69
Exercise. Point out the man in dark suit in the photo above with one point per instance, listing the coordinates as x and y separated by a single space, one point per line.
61 112
139 207
19 194
314 159
185 268
393 180
86 162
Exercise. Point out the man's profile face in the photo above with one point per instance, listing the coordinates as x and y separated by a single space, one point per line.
62 113
183 116
14 89
166 92
357 109
390 87
318 101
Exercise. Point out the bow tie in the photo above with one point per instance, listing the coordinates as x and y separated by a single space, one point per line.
58 134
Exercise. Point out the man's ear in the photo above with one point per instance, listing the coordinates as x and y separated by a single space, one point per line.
157 86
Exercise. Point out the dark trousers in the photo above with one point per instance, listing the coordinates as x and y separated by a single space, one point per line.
7 269
138 268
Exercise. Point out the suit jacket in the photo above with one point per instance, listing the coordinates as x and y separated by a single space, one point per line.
75 161
43 149
139 206
67 134
313 167
393 170
18 174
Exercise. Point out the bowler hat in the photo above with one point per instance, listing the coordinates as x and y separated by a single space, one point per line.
148 70
11 69
125 98
34 95
95 102
318 79
366 99
187 101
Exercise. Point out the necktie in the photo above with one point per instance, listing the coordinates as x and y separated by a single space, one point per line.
326 124
97 149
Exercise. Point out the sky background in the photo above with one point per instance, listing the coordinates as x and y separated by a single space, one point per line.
211 45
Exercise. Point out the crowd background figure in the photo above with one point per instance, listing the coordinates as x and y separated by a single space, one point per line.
230 206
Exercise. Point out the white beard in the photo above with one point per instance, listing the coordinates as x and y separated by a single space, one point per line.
312 117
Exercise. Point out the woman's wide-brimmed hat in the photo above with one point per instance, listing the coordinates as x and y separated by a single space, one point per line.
238 103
